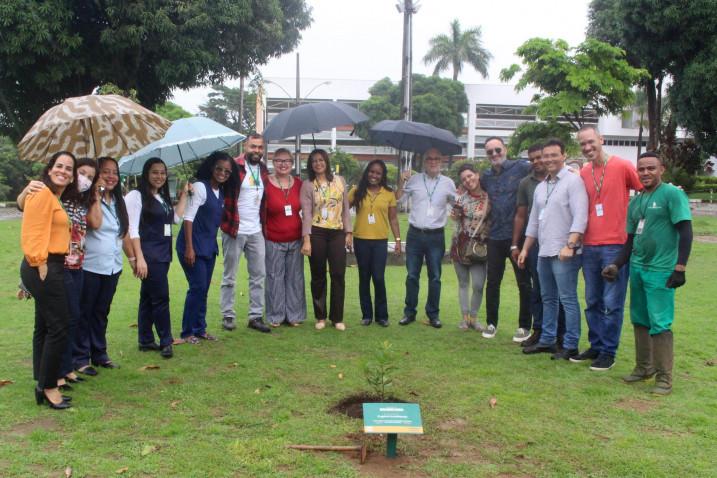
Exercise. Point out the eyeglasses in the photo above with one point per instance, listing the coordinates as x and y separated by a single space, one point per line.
283 161
220 170
491 152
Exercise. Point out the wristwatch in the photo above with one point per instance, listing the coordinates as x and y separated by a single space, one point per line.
513 247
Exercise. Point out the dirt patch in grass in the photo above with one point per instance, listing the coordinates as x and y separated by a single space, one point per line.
635 404
379 466
22 430
706 239
453 425
352 405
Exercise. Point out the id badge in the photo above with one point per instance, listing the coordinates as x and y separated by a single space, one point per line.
167 230
640 226
599 211
287 210
429 211
541 216
371 219
324 213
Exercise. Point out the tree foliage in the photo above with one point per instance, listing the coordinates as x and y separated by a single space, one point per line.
345 165
665 37
594 75
172 111
14 173
54 49
457 48
223 106
437 101
530 133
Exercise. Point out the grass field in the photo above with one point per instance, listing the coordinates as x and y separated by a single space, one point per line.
228 408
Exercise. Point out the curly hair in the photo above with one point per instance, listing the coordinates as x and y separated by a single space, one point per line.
362 188
206 170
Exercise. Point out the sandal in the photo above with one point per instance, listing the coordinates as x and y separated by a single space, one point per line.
179 341
206 336
191 340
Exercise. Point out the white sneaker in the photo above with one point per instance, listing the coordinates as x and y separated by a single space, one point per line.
521 334
320 324
489 332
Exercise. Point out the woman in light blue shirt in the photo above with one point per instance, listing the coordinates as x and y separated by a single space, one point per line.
102 268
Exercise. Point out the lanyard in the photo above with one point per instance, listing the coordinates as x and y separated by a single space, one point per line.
646 197
602 178
548 190
324 191
284 191
372 198
430 194
114 215
255 177
165 206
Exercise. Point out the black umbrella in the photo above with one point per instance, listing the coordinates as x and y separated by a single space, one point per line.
312 118
415 137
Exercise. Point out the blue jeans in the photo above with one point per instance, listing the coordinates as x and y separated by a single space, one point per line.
371 257
536 302
430 246
559 285
605 301
194 320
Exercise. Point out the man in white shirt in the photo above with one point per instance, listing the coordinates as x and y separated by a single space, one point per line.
241 233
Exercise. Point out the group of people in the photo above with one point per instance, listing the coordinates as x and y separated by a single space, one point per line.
548 220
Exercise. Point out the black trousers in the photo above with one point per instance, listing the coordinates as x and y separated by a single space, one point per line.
91 336
498 252
328 245
52 319
154 306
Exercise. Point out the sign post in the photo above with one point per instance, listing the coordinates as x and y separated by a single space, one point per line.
392 419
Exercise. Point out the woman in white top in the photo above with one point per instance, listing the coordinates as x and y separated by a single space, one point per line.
150 229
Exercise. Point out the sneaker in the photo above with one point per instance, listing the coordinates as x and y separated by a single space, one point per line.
489 332
228 323
532 340
540 349
340 326
589 354
320 324
602 363
564 354
464 325
521 335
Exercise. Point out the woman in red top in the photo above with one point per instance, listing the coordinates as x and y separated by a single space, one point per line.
285 299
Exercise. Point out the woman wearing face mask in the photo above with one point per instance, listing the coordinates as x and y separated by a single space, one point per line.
197 247
81 209
150 229
45 238
375 206
470 212
102 266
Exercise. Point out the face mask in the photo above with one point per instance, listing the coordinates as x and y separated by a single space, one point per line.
83 184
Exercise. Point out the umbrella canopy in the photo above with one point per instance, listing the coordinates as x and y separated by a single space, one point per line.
92 126
312 118
188 139
415 137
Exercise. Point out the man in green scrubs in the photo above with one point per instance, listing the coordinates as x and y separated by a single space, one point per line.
659 228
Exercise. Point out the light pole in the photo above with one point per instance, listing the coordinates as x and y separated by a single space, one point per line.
297 102
408 8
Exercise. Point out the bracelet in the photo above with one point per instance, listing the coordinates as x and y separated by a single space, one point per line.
513 248
398 239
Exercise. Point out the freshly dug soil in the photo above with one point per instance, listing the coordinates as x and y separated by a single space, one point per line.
353 404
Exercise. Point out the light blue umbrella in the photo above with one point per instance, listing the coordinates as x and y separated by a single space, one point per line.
188 139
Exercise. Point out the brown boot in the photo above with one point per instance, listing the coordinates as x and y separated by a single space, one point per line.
663 356
643 356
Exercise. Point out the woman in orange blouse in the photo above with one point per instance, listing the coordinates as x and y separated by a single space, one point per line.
45 240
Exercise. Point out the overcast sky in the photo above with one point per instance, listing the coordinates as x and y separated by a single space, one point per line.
351 39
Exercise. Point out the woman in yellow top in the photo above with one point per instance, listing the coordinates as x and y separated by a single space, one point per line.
326 231
375 206
45 240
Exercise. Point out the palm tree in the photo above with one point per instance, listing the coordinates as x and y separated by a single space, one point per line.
457 48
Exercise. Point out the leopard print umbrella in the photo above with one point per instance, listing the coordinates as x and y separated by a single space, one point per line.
92 126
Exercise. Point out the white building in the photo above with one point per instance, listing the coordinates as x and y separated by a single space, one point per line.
493 110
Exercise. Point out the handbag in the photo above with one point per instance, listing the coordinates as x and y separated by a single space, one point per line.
470 248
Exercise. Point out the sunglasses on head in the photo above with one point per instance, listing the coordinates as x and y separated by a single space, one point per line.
490 152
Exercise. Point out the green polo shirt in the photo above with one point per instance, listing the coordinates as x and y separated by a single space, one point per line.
655 247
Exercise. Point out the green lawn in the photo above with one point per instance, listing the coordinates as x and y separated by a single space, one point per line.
229 408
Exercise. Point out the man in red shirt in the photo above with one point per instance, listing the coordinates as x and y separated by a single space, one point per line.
608 181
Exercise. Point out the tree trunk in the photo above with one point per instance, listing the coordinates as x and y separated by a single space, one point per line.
659 111
652 114
639 135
